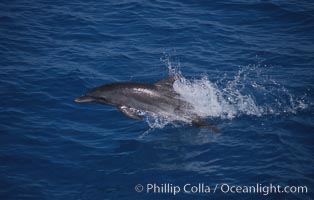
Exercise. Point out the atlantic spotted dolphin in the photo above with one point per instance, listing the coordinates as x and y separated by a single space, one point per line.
136 99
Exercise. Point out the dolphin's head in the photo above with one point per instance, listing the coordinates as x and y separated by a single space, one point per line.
97 95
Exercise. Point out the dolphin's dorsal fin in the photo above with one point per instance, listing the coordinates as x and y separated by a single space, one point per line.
168 81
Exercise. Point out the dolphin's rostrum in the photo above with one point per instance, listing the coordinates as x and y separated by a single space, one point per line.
137 99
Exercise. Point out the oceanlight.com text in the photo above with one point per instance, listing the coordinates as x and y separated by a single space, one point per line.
225 188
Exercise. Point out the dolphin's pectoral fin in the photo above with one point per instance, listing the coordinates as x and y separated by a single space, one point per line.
203 124
129 112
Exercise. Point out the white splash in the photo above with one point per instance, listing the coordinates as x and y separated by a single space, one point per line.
247 93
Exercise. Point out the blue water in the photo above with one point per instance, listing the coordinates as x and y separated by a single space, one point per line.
256 57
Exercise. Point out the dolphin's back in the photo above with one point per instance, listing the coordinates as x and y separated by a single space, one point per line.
144 97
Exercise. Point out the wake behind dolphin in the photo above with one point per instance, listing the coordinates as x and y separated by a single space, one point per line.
136 100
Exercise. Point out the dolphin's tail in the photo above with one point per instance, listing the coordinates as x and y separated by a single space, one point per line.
204 124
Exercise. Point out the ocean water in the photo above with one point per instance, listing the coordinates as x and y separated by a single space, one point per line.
247 67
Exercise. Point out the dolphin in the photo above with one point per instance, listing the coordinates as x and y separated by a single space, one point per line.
135 99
